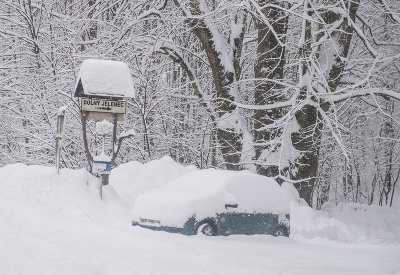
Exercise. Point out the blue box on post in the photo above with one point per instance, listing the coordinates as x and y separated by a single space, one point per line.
102 167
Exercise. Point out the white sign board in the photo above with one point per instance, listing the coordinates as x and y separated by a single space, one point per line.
103 106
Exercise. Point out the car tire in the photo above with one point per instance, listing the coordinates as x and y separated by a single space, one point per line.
280 231
207 229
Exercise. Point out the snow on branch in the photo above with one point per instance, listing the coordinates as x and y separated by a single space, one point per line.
150 12
182 7
357 30
220 44
121 137
334 133
392 15
176 54
345 94
365 92
290 7
266 21
265 106
162 5
369 27
127 134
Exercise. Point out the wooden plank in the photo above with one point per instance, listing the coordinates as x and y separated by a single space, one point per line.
104 116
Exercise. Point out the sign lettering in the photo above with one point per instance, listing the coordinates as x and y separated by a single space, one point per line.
103 106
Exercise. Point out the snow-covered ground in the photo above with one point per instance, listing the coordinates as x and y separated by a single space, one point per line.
57 224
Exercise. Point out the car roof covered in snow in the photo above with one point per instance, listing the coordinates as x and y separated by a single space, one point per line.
213 179
104 78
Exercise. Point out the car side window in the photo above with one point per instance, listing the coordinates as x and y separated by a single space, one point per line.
240 195
249 196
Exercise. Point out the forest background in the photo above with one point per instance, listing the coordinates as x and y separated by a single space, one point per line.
306 91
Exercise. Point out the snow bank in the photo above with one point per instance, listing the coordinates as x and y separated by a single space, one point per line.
57 224
133 178
351 223
354 223
37 194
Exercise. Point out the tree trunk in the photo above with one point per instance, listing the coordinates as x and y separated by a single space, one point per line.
269 65
307 139
91 31
229 138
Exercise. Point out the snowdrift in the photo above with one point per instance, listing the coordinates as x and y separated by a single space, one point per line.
57 224
37 194
134 178
351 223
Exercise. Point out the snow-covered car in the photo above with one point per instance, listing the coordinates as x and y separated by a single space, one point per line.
215 202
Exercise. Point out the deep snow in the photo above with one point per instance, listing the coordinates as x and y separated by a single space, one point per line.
57 224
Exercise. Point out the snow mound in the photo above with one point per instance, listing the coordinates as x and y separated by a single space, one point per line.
37 194
133 178
350 223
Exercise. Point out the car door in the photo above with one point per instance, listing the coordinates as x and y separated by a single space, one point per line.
263 223
232 222
237 219
245 217
237 222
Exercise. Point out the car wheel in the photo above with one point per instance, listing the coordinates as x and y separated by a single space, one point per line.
207 229
279 232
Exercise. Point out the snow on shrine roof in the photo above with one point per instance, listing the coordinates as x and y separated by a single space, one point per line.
104 78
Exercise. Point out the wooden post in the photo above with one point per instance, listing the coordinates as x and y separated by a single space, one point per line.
84 115
100 186
114 138
105 179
